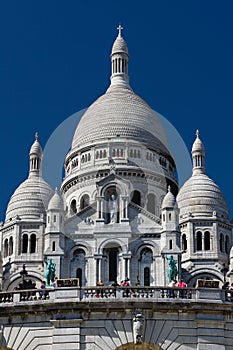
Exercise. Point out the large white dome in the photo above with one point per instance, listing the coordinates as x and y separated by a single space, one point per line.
120 113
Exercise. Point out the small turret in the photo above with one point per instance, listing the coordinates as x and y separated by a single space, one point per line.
119 58
198 154
169 211
170 236
35 158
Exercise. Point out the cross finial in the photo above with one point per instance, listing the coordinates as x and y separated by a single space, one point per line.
36 136
120 28
197 133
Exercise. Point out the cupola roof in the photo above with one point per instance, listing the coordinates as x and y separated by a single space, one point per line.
55 202
169 200
30 199
200 195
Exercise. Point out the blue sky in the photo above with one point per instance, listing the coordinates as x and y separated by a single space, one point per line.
55 61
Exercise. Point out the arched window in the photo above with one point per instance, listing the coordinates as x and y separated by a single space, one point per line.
73 206
221 242
199 240
84 201
151 203
170 244
207 240
136 198
53 246
11 246
227 244
184 242
33 243
25 243
6 246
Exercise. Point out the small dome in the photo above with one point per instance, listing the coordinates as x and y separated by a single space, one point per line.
55 202
119 45
200 196
198 145
169 200
29 200
36 147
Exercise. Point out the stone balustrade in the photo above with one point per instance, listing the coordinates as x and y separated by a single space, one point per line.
118 293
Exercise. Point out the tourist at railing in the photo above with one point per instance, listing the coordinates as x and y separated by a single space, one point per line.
99 292
170 292
43 294
181 284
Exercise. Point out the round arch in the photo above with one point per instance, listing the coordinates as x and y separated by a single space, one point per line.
146 244
120 186
204 274
142 346
16 279
81 245
109 242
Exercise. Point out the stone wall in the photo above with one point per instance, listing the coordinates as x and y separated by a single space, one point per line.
64 321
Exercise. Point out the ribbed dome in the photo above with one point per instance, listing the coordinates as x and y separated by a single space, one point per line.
30 199
119 46
36 149
201 196
55 202
120 113
198 145
169 200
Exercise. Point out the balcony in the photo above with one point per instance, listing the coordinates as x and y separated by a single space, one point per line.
102 294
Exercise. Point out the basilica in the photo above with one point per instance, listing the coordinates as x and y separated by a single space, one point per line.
119 213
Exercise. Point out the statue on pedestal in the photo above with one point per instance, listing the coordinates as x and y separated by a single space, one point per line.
172 271
50 271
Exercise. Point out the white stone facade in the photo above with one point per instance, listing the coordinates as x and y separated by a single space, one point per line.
117 217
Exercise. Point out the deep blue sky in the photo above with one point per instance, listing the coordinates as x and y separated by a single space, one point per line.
55 61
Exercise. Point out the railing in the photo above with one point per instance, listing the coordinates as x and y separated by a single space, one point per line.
117 293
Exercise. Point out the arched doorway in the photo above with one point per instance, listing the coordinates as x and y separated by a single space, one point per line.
110 267
146 260
78 265
79 275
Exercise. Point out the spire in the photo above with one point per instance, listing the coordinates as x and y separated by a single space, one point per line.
35 157
119 59
198 154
